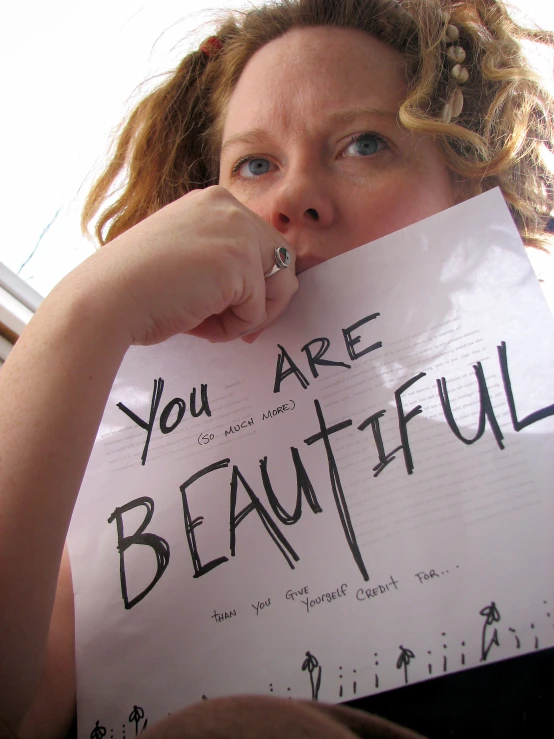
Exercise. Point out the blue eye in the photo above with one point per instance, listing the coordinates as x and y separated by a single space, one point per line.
258 166
365 145
251 167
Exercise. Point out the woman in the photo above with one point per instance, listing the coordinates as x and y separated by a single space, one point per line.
325 125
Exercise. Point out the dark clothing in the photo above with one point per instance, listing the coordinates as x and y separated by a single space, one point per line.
512 698
259 717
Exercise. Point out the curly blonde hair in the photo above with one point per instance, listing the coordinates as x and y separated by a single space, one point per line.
503 137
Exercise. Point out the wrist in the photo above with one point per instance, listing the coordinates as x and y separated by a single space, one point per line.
86 307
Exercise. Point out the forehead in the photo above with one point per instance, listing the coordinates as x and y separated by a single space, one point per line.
309 73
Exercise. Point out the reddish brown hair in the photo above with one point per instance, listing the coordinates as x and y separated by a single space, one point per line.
170 143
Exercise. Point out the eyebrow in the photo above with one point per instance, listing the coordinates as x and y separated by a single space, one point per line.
344 116
252 136
259 135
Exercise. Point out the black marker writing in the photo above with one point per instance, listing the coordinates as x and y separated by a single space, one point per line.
312 665
313 361
99 732
159 546
404 419
424 576
166 427
191 524
256 505
235 428
224 616
166 424
205 406
336 486
492 616
303 487
261 604
316 360
368 593
272 412
486 411
155 402
384 458
351 341
135 717
532 417
325 597
406 656
292 594
292 369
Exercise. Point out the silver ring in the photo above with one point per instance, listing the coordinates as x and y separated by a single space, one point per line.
282 261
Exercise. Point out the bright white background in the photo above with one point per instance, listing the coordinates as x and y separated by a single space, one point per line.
70 71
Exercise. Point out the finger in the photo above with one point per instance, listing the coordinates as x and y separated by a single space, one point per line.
251 338
211 329
279 289
276 307
244 315
260 300
277 300
235 321
228 325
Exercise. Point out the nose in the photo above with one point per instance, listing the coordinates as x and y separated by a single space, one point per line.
301 200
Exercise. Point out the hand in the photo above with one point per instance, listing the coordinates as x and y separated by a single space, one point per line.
196 266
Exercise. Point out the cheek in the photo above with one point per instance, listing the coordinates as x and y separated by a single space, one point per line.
432 187
399 203
430 197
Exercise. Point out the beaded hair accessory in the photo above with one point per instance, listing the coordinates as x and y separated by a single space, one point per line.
458 73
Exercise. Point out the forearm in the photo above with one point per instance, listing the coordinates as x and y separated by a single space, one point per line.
197 265
53 390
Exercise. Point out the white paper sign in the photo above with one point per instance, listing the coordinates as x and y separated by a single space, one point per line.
359 500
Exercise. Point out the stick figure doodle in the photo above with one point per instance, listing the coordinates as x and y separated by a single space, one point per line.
99 732
406 656
311 664
492 616
136 716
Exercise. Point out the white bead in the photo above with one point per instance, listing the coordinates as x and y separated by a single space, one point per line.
452 33
446 114
456 54
460 73
456 100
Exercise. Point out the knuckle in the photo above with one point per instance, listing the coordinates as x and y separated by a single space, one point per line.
211 196
217 192
235 217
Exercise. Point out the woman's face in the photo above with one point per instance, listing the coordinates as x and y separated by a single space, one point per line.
311 144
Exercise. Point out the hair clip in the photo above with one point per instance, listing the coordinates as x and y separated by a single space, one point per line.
211 46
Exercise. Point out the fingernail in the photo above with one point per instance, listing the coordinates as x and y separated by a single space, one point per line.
250 338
